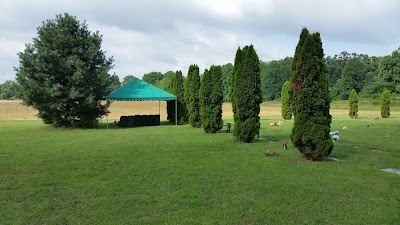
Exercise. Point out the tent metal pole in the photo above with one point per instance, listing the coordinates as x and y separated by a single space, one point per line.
159 107
107 114
176 111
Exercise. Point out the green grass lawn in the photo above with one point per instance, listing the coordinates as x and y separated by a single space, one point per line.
181 175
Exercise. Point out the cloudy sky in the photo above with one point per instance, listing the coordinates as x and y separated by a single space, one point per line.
148 35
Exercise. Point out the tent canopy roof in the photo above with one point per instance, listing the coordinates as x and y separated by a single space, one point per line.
138 90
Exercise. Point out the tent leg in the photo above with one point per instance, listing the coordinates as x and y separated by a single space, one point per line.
159 107
107 120
176 111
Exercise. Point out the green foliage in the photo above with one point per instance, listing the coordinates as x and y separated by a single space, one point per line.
192 88
348 71
310 79
227 71
336 65
273 75
64 74
164 83
233 94
211 99
127 79
9 89
389 72
153 77
286 109
296 78
115 84
353 77
246 94
371 66
176 88
353 101
385 103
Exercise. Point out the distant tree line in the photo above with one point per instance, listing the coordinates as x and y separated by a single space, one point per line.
367 75
9 90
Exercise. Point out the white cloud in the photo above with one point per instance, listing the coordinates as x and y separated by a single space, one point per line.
145 36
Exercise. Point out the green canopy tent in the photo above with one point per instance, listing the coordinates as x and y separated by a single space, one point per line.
138 90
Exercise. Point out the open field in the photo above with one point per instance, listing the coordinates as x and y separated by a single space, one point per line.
181 175
14 110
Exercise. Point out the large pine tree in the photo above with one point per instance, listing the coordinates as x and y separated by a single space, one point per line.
311 98
64 74
192 87
211 98
246 94
176 88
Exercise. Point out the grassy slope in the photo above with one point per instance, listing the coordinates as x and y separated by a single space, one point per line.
178 174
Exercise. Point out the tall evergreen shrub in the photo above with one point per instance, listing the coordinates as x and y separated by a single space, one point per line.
286 109
246 94
353 101
176 88
385 103
192 88
211 99
311 98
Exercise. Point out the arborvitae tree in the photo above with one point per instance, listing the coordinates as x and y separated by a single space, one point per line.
176 88
227 71
211 98
171 104
238 64
294 69
285 100
246 94
353 101
205 102
64 74
385 103
310 79
192 88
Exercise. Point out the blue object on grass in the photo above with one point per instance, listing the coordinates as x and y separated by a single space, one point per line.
334 132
